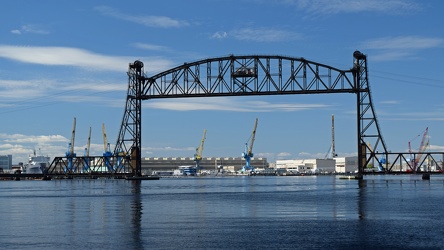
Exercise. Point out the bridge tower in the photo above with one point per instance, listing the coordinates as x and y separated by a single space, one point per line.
129 139
367 124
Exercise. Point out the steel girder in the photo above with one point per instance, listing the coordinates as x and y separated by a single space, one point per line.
243 76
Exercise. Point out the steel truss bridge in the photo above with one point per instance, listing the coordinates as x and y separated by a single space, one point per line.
249 75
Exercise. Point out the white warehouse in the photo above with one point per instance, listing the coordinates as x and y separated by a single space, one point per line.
336 165
308 165
346 164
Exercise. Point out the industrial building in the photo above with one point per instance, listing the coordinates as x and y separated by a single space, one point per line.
5 162
307 165
231 164
346 164
329 165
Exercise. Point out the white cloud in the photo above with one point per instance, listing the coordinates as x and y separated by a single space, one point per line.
328 7
170 149
66 56
264 35
219 35
436 148
404 42
283 154
149 21
228 104
23 89
151 47
38 139
391 102
400 47
30 28
258 35
21 146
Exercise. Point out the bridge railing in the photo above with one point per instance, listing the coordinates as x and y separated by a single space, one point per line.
405 162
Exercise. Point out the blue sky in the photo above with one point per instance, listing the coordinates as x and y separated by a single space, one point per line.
66 59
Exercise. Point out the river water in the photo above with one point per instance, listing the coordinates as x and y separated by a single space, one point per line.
298 212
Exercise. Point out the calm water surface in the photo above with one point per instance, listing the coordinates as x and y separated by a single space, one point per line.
380 212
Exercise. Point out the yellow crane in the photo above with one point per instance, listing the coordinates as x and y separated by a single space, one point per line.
88 144
198 154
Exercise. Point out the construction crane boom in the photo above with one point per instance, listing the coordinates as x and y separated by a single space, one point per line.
416 159
88 144
249 150
198 155
199 150
423 145
73 134
253 134
70 153
105 141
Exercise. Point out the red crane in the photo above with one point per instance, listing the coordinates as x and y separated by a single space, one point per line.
422 147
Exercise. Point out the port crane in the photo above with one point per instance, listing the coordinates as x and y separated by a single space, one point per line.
380 161
198 154
88 144
107 150
70 153
416 159
249 151
331 151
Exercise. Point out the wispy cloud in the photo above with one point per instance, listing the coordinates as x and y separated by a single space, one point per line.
30 28
42 139
149 21
170 149
403 43
229 104
400 47
330 7
433 115
258 35
23 89
265 35
219 35
436 148
18 95
391 102
21 146
67 56
152 47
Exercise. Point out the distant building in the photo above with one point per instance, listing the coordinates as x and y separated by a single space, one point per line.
346 164
5 162
207 163
307 165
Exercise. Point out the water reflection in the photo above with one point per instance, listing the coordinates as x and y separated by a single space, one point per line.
362 185
136 214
